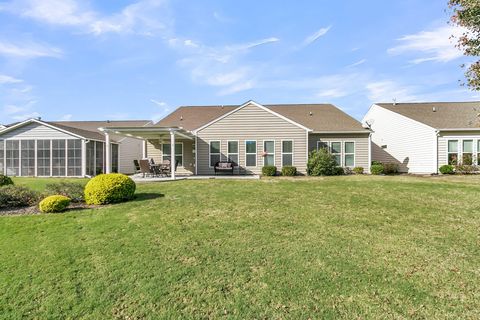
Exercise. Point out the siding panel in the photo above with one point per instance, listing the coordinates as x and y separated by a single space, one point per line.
129 149
36 131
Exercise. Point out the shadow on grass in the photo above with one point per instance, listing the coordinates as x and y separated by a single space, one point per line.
147 196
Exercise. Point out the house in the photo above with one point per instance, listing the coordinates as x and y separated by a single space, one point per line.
421 137
252 136
67 148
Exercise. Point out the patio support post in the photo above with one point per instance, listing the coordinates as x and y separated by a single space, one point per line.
172 154
84 158
108 154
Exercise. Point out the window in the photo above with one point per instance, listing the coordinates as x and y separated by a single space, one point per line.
28 157
251 153
166 152
2 154
467 152
91 158
287 153
115 158
336 151
58 157
74 158
322 145
43 158
269 153
349 154
99 157
452 152
214 152
12 153
232 152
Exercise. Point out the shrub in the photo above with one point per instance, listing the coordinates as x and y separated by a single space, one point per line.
289 171
376 169
5 180
72 190
321 163
339 171
109 188
358 170
269 171
17 196
465 169
375 162
55 203
390 168
446 169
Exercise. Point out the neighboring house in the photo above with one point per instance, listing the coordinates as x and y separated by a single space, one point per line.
254 135
421 137
67 148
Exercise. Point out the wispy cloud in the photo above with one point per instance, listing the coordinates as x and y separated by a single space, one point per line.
315 36
388 90
355 64
4 79
21 112
434 45
66 117
164 110
29 49
256 43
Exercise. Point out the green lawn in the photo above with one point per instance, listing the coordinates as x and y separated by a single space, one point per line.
340 247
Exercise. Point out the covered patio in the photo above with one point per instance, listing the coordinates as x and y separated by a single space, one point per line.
171 134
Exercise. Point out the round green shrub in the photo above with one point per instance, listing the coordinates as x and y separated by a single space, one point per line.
5 180
321 163
390 168
289 171
376 169
109 188
446 169
12 196
269 171
358 170
52 204
339 171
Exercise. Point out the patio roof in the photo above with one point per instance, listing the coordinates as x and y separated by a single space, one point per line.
149 132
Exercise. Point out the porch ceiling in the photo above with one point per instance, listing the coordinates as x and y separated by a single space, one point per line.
149 132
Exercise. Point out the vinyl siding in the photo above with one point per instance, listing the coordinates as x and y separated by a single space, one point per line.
360 140
252 123
401 140
154 150
129 149
443 143
36 131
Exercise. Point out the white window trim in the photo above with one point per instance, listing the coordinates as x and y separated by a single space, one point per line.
337 153
458 148
183 151
274 150
354 154
236 154
247 153
282 153
210 154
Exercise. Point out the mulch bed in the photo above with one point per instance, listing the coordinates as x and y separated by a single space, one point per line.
34 209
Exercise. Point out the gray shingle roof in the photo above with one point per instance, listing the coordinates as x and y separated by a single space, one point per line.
318 117
440 115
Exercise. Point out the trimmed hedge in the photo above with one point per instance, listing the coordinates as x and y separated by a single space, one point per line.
17 196
289 171
358 170
5 180
447 169
52 204
109 188
376 169
269 171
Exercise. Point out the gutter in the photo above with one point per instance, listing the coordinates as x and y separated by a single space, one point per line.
344 132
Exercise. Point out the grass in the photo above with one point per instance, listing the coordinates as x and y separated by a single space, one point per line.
340 247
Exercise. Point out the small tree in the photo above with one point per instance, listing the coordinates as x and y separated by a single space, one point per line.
321 163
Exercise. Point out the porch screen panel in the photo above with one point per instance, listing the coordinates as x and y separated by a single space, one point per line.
13 157
58 157
74 158
2 155
99 157
27 148
91 158
115 158
43 158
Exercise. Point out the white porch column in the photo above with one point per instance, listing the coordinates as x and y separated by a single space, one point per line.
84 158
108 154
172 154
144 149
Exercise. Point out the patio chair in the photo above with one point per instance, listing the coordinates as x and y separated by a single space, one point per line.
137 166
145 168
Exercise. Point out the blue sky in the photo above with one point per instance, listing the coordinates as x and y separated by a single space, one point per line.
84 60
